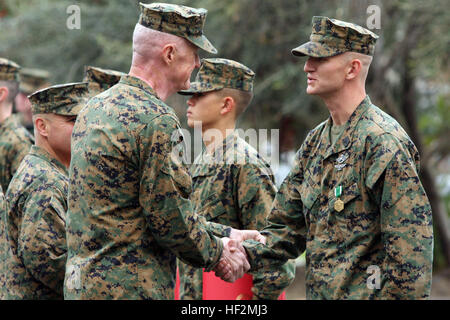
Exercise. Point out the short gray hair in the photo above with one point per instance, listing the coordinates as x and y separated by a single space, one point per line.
148 42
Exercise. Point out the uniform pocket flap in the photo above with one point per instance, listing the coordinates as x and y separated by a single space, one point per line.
213 209
308 195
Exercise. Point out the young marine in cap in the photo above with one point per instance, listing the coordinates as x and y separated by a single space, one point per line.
129 212
232 184
34 246
353 200
31 80
15 140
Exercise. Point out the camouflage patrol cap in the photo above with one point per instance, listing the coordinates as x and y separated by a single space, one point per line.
331 37
9 70
32 80
182 21
63 99
217 73
100 79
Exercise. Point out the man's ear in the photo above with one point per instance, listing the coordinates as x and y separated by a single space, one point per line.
3 94
41 126
228 105
168 53
353 69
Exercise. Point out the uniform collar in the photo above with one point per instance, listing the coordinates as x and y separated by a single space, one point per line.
345 140
43 154
220 152
139 83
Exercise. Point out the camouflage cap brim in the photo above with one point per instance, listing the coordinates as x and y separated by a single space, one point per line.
330 37
315 50
62 99
179 20
203 43
73 110
200 87
9 70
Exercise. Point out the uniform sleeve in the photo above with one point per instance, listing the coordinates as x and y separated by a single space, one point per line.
256 192
286 229
164 194
42 238
217 229
405 218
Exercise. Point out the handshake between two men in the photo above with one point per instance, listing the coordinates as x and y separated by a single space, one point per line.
233 263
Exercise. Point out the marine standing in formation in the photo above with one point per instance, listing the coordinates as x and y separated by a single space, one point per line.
15 140
232 184
353 200
34 237
35 246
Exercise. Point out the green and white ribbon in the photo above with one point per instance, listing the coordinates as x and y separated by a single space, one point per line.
338 191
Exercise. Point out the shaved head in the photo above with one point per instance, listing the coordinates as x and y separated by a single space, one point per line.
148 43
365 62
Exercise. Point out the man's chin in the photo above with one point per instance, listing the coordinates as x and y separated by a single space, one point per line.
186 85
311 91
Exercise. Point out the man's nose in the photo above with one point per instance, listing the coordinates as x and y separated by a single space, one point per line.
309 65
197 60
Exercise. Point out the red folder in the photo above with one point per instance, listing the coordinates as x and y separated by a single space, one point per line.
215 288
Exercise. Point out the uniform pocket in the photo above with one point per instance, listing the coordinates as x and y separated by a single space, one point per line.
351 220
309 191
349 192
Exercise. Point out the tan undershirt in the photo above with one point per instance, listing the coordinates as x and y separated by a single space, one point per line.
335 132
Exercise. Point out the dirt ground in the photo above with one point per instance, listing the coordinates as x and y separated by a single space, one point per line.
440 289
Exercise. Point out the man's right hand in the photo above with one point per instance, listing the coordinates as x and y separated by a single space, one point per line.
242 235
233 262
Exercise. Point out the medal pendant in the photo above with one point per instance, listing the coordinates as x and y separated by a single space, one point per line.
339 205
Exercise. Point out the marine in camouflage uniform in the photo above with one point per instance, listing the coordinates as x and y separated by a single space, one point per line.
357 204
34 238
15 140
129 213
232 185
